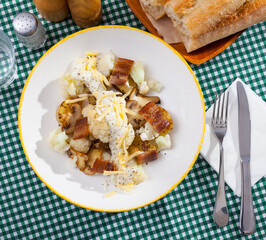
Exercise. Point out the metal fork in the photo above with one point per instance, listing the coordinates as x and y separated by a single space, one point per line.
219 126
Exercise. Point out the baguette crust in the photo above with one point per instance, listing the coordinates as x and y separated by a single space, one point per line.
251 13
155 8
203 21
196 17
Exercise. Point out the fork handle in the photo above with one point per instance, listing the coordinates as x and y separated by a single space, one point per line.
220 214
247 218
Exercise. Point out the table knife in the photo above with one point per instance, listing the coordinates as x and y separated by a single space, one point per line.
247 218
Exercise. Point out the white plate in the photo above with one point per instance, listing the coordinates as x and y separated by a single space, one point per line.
181 96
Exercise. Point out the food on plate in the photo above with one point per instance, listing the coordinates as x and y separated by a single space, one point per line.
202 22
107 124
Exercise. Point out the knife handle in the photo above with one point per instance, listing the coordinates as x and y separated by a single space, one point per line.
247 217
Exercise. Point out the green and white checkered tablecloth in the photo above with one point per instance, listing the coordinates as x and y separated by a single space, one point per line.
29 210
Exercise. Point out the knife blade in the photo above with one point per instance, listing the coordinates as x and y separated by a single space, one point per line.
247 218
243 124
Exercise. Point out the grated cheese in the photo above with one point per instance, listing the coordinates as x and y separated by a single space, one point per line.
118 120
91 54
95 94
120 111
105 80
107 95
122 139
96 74
108 173
125 95
104 114
123 112
110 194
76 100
128 187
91 63
84 95
135 154
134 114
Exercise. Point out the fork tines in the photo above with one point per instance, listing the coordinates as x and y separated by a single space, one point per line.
220 109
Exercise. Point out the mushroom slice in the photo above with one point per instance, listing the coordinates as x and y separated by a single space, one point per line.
81 129
141 99
81 158
144 146
135 103
135 121
93 154
121 71
147 157
128 86
156 116
149 150
90 100
67 115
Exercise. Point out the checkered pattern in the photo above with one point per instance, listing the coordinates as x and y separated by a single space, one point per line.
29 210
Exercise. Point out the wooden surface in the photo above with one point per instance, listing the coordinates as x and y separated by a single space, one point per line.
52 10
198 56
86 13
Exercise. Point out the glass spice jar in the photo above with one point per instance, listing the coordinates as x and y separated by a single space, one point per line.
29 30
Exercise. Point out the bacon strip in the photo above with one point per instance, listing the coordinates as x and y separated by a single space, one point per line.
121 71
101 165
147 157
154 115
81 129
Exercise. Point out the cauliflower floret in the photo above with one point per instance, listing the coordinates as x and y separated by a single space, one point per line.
106 156
72 161
163 142
139 175
79 63
137 72
155 85
89 62
99 129
106 63
80 145
58 140
136 172
134 175
144 88
147 132
130 135
70 86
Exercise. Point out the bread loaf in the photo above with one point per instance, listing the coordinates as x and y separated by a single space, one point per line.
154 7
201 22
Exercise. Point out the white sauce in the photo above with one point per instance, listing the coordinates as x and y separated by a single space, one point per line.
97 88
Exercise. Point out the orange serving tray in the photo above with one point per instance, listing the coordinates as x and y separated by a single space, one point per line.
198 56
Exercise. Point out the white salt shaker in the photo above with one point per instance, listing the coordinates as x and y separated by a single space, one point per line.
29 30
